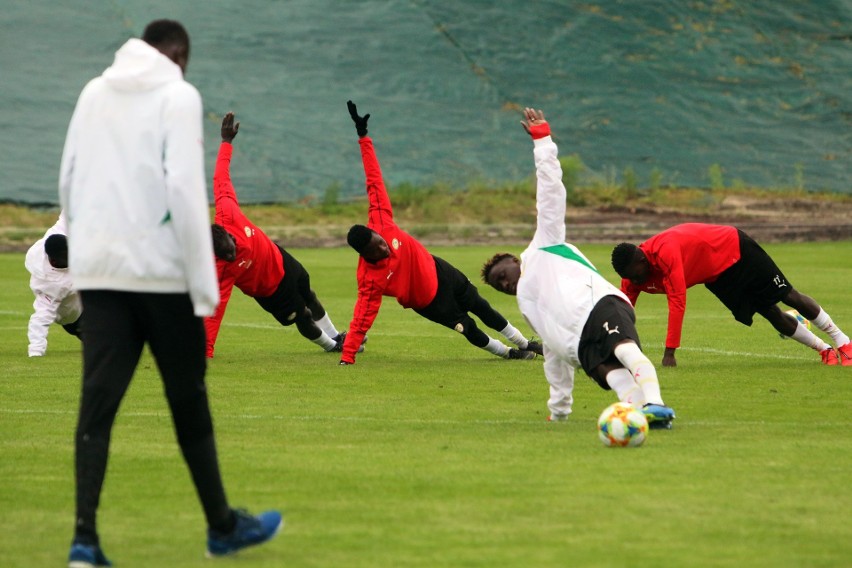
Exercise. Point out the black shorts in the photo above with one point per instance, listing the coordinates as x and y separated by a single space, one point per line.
454 297
612 321
290 298
751 284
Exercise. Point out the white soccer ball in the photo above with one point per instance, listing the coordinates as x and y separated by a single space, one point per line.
622 425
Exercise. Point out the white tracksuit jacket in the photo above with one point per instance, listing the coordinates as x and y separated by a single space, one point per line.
132 182
558 286
55 299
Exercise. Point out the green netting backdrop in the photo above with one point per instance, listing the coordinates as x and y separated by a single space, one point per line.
760 88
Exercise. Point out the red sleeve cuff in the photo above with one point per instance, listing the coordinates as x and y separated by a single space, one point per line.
539 130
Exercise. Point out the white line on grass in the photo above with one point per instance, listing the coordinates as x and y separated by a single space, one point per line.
745 353
354 419
282 417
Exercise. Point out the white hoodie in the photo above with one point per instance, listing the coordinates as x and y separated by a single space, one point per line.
132 182
558 286
55 299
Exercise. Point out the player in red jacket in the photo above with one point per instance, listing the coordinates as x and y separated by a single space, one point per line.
737 270
393 263
248 259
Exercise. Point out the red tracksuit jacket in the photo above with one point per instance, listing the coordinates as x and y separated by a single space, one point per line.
681 257
408 274
258 268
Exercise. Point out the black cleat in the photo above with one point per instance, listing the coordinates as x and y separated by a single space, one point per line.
338 343
535 347
520 354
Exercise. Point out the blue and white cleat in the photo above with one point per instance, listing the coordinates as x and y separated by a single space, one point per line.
86 556
659 417
250 530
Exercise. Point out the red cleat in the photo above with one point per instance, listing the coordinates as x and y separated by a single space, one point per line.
844 353
829 356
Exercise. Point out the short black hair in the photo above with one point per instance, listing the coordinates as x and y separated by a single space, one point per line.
622 256
489 264
220 238
359 237
166 32
56 245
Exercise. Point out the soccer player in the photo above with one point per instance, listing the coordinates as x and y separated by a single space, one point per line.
132 184
393 263
736 269
56 301
248 259
584 321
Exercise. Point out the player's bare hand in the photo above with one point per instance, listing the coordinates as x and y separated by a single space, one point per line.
229 128
532 117
669 358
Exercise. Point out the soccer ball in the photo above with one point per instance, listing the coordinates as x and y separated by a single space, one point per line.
622 425
802 320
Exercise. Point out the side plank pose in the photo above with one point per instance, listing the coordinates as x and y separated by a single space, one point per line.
583 320
56 301
132 184
251 261
738 272
393 263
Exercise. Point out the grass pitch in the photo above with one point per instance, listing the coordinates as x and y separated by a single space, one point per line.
429 452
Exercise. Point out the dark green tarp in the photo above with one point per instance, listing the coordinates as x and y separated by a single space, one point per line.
761 89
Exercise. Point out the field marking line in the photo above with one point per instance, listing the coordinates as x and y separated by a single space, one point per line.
745 353
440 421
166 415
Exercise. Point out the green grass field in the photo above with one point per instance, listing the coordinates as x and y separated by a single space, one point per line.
431 453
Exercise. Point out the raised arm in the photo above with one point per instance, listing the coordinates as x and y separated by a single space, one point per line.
222 186
380 212
550 192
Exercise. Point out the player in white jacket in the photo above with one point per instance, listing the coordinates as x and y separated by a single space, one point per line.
582 319
56 301
141 255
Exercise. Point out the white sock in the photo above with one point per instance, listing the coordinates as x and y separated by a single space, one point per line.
496 348
823 321
642 369
511 333
324 323
625 387
806 337
324 341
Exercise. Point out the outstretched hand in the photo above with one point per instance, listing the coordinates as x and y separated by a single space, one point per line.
669 358
229 128
534 123
360 121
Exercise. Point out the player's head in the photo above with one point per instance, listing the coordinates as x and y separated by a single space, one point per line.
629 262
170 39
368 243
502 272
56 249
224 245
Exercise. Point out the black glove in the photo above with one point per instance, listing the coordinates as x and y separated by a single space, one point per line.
360 121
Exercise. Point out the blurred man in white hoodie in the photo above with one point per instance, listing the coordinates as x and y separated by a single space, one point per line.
140 253
56 301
